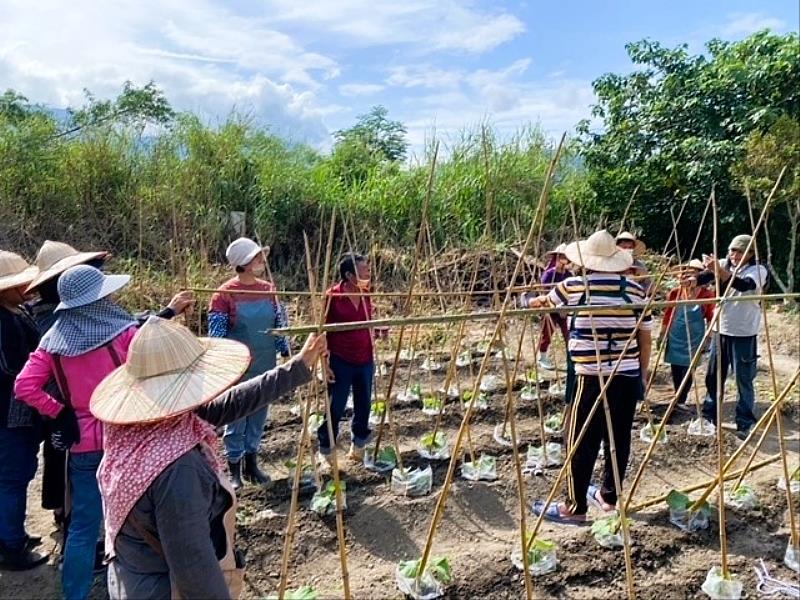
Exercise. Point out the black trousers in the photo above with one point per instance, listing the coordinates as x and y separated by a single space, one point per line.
678 373
623 392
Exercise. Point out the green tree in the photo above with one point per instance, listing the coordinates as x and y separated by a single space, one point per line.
676 125
767 154
135 106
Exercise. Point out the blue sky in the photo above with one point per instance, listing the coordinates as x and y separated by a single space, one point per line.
307 68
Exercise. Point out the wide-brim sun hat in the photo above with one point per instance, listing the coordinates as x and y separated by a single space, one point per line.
15 271
599 252
639 246
168 372
242 250
84 284
54 258
557 250
694 264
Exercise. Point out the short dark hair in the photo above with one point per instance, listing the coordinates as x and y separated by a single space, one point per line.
239 269
348 264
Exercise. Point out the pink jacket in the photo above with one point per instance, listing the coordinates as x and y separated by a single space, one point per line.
83 374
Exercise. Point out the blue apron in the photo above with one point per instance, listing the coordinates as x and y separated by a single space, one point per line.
681 349
252 319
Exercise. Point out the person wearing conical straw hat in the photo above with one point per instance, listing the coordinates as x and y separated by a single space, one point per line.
89 339
739 324
683 327
170 510
19 425
245 317
605 334
555 272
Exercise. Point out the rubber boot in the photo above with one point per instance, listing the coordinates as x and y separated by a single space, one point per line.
252 473
236 475
20 560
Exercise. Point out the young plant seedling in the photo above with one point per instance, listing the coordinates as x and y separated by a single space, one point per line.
743 497
315 420
432 405
376 412
648 432
324 501
701 427
681 514
302 593
554 423
529 392
541 556
385 461
434 447
722 586
485 469
535 460
464 359
794 482
451 392
431 364
490 384
412 482
481 402
414 394
608 531
430 584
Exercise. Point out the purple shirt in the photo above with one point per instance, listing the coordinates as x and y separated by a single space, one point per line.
551 276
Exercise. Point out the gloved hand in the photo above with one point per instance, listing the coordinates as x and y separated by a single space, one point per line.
64 429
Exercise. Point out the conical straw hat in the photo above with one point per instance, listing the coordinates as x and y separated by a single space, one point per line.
15 271
599 252
168 372
54 258
557 250
638 245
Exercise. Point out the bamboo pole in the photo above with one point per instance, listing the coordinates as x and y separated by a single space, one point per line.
696 357
624 214
451 467
513 313
698 486
407 303
720 397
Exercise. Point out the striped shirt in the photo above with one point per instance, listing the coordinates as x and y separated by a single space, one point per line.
613 328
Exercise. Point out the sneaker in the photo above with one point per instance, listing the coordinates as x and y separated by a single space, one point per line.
742 434
356 454
545 363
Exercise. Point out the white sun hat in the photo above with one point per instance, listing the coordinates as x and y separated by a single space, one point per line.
599 252
54 258
638 245
557 250
168 372
241 251
15 271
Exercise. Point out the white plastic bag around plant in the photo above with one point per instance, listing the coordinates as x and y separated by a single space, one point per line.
701 427
792 557
490 384
483 469
430 453
407 355
296 410
427 588
386 460
307 481
546 563
554 424
536 457
432 365
315 420
464 359
324 501
688 521
412 482
719 588
794 485
412 394
451 392
647 432
743 497
503 440
557 391
530 393
614 540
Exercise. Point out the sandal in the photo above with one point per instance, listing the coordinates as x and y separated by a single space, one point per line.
553 514
592 495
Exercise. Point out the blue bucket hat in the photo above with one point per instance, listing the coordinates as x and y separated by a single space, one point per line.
82 285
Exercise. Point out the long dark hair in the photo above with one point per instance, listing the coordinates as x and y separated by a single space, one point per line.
348 264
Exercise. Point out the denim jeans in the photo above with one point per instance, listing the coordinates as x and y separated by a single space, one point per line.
359 379
18 449
244 436
739 353
84 525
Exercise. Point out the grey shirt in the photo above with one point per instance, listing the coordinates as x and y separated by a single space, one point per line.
184 506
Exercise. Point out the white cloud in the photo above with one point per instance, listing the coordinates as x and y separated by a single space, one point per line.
425 76
360 89
428 25
744 24
205 59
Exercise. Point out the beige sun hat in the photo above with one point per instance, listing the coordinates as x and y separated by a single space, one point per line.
599 252
638 245
168 372
695 264
15 271
557 250
54 258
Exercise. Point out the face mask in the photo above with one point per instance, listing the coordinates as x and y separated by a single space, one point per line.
259 271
